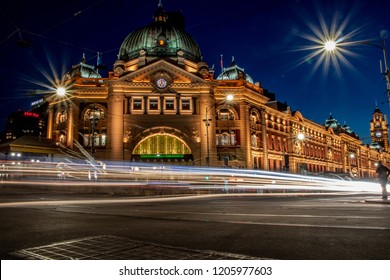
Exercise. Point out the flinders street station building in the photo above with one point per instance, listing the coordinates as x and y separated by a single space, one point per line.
163 103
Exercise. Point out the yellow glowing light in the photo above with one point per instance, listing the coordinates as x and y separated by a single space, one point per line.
229 97
61 91
301 136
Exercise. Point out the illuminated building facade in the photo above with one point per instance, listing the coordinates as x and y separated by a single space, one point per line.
162 103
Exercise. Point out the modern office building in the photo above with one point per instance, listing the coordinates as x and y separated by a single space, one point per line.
163 103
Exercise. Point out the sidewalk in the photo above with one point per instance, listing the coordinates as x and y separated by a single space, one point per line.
108 247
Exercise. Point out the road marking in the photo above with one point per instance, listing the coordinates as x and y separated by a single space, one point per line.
256 223
145 200
310 225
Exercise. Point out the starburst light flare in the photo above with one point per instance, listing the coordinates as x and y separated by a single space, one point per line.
328 44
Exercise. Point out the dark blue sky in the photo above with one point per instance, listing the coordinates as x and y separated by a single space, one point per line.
265 37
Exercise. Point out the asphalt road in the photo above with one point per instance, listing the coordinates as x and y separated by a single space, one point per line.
262 226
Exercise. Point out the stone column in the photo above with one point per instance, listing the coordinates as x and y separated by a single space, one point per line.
264 139
69 125
49 130
115 126
208 146
245 135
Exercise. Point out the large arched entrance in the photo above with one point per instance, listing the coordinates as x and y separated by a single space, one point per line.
162 147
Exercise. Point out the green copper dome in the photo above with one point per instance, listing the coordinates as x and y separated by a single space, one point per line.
234 73
82 70
164 37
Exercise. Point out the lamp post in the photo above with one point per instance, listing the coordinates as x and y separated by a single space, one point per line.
385 72
207 121
331 45
351 158
94 118
294 139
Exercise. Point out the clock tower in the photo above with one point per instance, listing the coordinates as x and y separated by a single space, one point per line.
379 129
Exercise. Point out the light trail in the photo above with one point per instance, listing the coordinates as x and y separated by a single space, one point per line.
136 200
79 175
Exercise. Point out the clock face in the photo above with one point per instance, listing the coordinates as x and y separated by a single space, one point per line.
161 83
118 70
378 134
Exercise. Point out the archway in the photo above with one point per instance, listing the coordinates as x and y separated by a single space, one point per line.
162 147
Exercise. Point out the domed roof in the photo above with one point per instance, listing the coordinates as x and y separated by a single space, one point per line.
347 128
332 122
234 73
164 37
82 70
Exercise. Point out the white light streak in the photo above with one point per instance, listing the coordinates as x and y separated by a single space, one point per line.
78 175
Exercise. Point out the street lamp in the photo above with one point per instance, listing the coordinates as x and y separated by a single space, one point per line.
229 97
299 137
94 117
331 46
61 91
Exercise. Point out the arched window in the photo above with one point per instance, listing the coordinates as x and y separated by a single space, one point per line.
61 117
162 146
225 139
225 114
94 134
94 113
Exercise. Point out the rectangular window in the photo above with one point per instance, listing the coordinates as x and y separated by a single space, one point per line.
185 104
137 104
169 104
153 104
103 140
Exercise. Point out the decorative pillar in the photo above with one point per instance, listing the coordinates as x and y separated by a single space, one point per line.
344 156
245 135
70 125
49 130
264 139
115 127
206 112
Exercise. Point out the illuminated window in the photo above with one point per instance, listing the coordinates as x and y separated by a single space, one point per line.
94 113
160 146
99 140
185 104
225 139
169 104
137 104
225 114
232 138
153 104
61 117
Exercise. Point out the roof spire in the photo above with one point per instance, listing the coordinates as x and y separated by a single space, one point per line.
233 62
160 14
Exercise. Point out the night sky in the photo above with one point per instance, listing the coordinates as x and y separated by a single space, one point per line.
271 40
